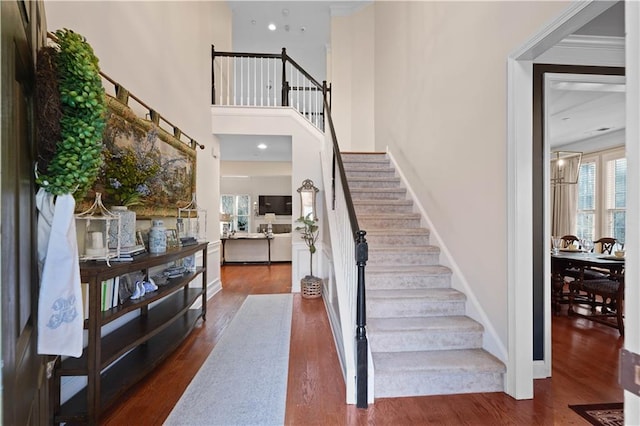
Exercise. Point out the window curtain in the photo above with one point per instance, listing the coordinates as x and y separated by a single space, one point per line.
564 198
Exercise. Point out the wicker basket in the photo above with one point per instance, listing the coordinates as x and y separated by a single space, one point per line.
311 287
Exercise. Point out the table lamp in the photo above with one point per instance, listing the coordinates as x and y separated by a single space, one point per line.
270 218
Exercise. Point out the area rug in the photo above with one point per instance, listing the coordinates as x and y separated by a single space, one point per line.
601 414
244 379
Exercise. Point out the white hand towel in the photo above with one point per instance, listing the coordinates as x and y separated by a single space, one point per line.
60 316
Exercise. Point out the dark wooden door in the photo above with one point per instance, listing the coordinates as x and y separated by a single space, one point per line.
24 385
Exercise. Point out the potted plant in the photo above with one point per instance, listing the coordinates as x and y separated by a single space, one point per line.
311 286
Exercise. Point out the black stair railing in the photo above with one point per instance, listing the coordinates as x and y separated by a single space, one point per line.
246 79
361 257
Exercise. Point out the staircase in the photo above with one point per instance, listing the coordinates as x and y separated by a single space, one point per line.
421 340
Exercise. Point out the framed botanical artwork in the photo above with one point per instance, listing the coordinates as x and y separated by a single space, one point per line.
145 167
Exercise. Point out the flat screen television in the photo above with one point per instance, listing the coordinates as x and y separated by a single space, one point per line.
278 204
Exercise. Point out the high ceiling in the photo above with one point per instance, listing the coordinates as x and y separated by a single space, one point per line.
580 113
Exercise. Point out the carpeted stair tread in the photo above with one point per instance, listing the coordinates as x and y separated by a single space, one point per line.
389 216
421 340
398 231
374 179
378 189
408 270
358 203
431 294
457 323
364 158
397 249
443 362
376 202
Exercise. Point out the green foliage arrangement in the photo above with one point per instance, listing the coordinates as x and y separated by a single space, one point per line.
309 233
127 174
78 155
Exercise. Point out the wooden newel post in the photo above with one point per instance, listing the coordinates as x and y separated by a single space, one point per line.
362 255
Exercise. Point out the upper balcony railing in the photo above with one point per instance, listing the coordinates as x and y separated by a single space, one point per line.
257 79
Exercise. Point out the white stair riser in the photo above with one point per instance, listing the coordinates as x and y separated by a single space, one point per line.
422 340
429 383
405 282
413 308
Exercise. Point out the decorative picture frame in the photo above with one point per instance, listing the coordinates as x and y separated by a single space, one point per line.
140 239
144 143
172 238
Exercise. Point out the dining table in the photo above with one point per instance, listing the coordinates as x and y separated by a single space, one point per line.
611 265
580 260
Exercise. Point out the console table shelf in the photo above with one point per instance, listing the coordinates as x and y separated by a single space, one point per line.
146 339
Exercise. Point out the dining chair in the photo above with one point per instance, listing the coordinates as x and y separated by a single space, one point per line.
570 240
606 298
561 287
589 274
605 245
574 278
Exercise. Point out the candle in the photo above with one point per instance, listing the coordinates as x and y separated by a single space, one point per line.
96 240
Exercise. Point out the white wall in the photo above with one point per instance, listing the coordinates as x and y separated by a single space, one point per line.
352 75
161 52
439 92
255 168
440 87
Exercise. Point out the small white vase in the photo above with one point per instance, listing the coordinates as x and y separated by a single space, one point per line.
157 237
127 228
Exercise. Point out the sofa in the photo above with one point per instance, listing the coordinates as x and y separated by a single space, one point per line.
254 248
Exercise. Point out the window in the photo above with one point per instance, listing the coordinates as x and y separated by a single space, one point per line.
616 192
238 207
586 200
602 196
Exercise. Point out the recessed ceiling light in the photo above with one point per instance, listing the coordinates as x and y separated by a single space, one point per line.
262 146
272 27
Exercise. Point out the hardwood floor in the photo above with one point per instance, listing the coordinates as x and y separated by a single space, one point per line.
585 361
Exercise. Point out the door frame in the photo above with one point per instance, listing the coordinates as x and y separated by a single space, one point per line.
520 166
541 210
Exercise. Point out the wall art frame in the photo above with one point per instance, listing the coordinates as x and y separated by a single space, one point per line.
174 161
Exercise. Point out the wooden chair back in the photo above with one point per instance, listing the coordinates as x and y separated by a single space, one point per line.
569 240
605 244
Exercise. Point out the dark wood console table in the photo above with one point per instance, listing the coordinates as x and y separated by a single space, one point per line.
146 339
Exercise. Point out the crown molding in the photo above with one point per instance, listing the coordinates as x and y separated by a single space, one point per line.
586 50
